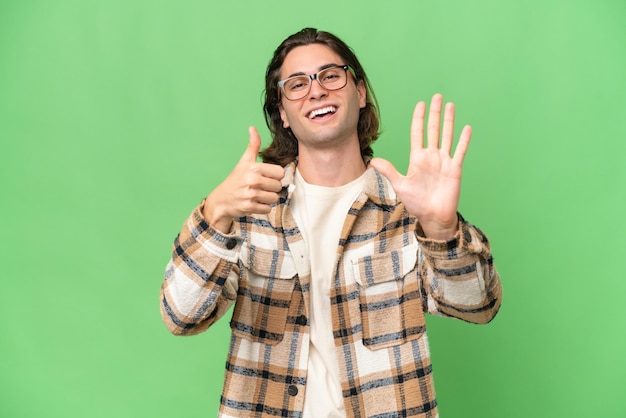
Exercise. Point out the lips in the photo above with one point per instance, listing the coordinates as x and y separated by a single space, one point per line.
321 111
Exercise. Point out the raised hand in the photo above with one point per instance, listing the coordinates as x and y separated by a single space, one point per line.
251 188
432 186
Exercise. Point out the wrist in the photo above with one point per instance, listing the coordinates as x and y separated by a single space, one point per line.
440 231
218 219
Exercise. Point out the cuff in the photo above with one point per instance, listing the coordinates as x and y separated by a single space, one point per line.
224 245
446 249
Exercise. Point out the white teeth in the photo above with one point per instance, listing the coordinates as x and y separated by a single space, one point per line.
322 111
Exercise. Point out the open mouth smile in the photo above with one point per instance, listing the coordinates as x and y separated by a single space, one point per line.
322 112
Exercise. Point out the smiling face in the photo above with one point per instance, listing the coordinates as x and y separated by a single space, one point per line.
323 118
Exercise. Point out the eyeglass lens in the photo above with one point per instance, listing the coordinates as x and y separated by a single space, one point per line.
332 78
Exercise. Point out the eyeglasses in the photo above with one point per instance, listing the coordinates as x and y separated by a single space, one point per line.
331 78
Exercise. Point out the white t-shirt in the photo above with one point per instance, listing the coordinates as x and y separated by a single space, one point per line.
320 213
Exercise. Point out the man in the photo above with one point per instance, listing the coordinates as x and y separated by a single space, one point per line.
330 258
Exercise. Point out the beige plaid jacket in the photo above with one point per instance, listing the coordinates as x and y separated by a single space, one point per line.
387 275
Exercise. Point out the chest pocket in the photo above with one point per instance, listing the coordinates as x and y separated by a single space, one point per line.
389 297
265 294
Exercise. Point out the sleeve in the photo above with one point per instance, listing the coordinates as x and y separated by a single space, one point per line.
201 279
459 278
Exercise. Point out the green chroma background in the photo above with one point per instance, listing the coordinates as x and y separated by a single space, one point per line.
118 117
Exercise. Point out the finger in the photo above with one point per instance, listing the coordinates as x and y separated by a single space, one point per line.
257 208
463 145
434 119
266 198
254 145
256 201
386 169
417 126
272 171
269 184
447 135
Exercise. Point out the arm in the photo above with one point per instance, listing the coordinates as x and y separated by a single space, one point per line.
456 267
201 279
458 276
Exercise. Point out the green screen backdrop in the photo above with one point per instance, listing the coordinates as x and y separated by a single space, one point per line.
118 117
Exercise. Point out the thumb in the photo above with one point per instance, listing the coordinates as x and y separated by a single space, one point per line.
254 145
386 169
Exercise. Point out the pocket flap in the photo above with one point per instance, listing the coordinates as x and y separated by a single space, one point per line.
264 262
385 267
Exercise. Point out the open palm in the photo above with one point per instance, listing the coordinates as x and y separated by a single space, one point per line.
432 186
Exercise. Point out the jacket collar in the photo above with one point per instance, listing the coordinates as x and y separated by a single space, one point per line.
376 187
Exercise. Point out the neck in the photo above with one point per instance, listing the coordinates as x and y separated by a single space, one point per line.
331 167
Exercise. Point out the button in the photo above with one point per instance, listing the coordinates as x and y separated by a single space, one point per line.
231 243
301 320
292 390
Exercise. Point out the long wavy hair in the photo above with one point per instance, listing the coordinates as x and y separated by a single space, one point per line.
284 147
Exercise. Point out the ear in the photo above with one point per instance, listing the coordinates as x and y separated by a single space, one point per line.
283 116
360 88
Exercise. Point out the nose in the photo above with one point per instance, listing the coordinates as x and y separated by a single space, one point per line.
317 90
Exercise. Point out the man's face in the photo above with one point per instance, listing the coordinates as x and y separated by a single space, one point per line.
339 109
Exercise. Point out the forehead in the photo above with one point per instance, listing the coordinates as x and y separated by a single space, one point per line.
308 59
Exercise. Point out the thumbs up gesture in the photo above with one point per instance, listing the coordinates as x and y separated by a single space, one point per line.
251 188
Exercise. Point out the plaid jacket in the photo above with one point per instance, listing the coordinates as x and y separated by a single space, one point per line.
387 275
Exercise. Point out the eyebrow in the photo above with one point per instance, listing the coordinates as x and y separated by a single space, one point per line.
323 67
